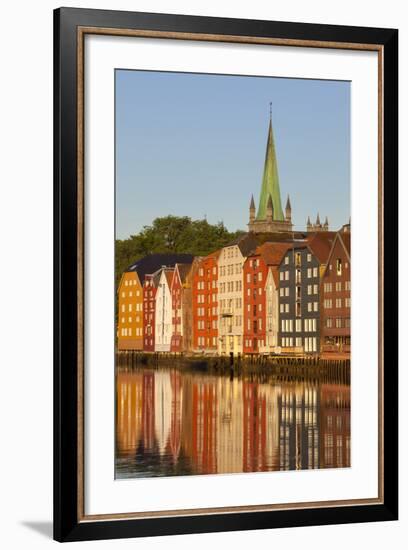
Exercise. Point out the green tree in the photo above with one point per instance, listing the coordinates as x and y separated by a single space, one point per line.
171 234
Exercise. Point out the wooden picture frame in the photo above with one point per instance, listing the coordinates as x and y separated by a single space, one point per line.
70 27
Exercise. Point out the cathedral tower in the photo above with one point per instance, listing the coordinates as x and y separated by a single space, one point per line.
270 218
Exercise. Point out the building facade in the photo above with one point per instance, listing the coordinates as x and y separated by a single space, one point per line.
130 312
230 293
336 297
149 309
163 309
261 298
299 314
205 304
181 323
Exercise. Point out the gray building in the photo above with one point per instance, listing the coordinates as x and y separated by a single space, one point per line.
299 294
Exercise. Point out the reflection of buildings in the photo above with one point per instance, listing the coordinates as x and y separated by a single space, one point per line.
204 425
299 409
162 404
174 421
129 412
254 431
229 426
335 426
175 414
148 411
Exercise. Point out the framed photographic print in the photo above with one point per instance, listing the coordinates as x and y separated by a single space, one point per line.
225 274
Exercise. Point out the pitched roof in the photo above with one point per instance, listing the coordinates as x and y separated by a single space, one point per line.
272 253
248 242
169 276
155 277
153 262
345 236
320 244
183 270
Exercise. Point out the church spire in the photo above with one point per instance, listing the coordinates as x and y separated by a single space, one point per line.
270 181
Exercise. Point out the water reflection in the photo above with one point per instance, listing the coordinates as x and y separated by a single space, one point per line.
174 422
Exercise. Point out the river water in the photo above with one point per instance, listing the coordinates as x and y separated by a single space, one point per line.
180 422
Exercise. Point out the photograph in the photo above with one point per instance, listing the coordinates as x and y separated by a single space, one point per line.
232 274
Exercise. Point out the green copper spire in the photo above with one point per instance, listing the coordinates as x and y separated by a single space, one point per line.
270 182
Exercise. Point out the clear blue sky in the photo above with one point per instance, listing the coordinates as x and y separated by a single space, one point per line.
194 145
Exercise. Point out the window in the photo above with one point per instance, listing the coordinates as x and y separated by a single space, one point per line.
329 322
309 272
298 326
315 306
338 302
123 308
281 291
286 308
309 257
338 266
298 259
298 342
309 306
347 285
287 291
286 260
338 286
338 322
298 276
248 277
260 276
281 278
286 275
298 309
347 302
327 304
315 289
282 308
315 272
309 289
327 287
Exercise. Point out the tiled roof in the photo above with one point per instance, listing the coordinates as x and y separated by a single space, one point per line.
248 242
346 238
320 244
183 270
153 262
169 275
272 253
